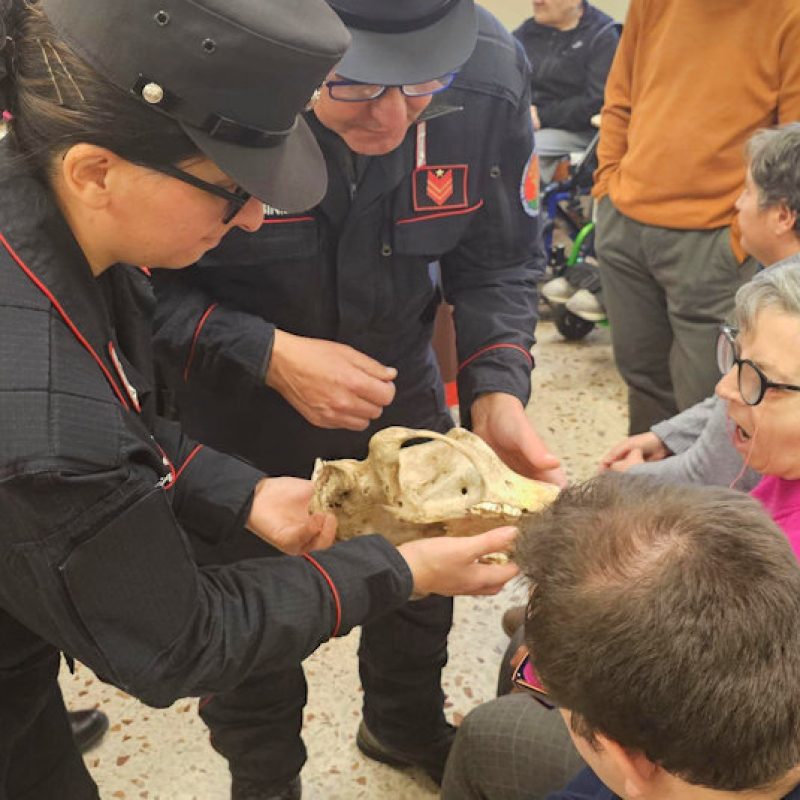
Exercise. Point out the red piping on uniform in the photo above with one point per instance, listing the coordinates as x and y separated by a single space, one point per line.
185 464
334 591
146 271
504 346
469 210
273 220
64 316
197 330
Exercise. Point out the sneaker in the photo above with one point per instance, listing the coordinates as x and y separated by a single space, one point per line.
513 620
431 758
558 290
585 305
243 789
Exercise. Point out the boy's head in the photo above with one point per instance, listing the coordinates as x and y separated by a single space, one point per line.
769 205
665 623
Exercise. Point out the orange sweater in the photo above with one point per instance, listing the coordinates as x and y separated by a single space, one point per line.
691 81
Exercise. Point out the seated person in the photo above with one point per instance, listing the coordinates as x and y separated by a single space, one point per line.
769 220
570 45
664 625
760 360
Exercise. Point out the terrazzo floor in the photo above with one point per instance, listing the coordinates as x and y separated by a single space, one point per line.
152 754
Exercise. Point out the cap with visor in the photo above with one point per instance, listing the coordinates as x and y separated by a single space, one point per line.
406 41
233 73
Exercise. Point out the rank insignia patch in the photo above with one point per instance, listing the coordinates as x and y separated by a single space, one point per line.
529 188
438 188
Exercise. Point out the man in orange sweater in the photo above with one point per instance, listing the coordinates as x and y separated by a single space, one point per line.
690 83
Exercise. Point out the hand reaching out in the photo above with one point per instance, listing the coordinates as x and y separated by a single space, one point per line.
279 516
331 384
643 447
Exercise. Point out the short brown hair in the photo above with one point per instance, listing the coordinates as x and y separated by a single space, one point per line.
57 100
668 619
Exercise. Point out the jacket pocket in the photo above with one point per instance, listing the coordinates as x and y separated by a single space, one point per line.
433 233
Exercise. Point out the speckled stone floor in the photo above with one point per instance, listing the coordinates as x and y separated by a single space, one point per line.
152 754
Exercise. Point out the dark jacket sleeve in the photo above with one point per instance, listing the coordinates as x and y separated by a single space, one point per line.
490 277
574 113
193 332
98 565
212 492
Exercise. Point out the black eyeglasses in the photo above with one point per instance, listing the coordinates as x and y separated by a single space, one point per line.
356 92
526 679
752 382
236 199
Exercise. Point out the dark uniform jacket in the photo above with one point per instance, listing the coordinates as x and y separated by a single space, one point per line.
93 557
569 68
355 269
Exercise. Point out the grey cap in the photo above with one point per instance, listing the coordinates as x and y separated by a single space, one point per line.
234 73
406 41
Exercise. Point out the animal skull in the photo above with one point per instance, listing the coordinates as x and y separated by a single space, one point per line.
418 483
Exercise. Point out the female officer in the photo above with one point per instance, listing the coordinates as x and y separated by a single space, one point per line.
138 133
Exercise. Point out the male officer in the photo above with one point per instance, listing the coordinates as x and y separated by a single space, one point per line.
306 339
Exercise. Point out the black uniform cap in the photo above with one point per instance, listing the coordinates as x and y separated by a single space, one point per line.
234 74
406 41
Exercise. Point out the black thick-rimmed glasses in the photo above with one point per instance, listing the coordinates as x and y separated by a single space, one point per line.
356 92
526 679
752 382
236 199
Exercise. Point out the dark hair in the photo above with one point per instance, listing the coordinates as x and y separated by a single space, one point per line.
774 158
57 100
668 619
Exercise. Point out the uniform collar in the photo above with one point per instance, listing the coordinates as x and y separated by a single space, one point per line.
35 228
40 238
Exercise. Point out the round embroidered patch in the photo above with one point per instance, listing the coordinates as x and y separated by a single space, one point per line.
529 188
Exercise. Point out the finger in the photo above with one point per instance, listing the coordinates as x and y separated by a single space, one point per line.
534 453
491 579
538 469
615 453
372 390
555 476
372 367
326 535
493 541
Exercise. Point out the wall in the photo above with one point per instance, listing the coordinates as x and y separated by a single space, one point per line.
512 12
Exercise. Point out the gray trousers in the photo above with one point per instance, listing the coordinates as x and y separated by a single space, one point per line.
666 291
510 748
552 144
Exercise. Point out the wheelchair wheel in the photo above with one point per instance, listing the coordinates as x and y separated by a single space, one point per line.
571 326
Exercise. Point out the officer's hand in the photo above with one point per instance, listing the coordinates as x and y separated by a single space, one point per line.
330 384
500 420
635 450
280 516
535 118
448 565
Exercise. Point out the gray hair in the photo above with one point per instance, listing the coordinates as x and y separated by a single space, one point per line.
777 287
774 159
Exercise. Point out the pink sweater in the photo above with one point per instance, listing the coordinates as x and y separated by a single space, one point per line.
781 500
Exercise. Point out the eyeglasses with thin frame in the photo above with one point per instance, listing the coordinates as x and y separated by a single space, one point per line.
355 92
752 382
236 199
526 679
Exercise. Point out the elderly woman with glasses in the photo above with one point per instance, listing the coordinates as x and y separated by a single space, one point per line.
760 362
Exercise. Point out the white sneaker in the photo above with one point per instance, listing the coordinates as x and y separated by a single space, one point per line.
558 290
585 305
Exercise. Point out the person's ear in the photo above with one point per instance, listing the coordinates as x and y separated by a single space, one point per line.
635 769
785 219
85 173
